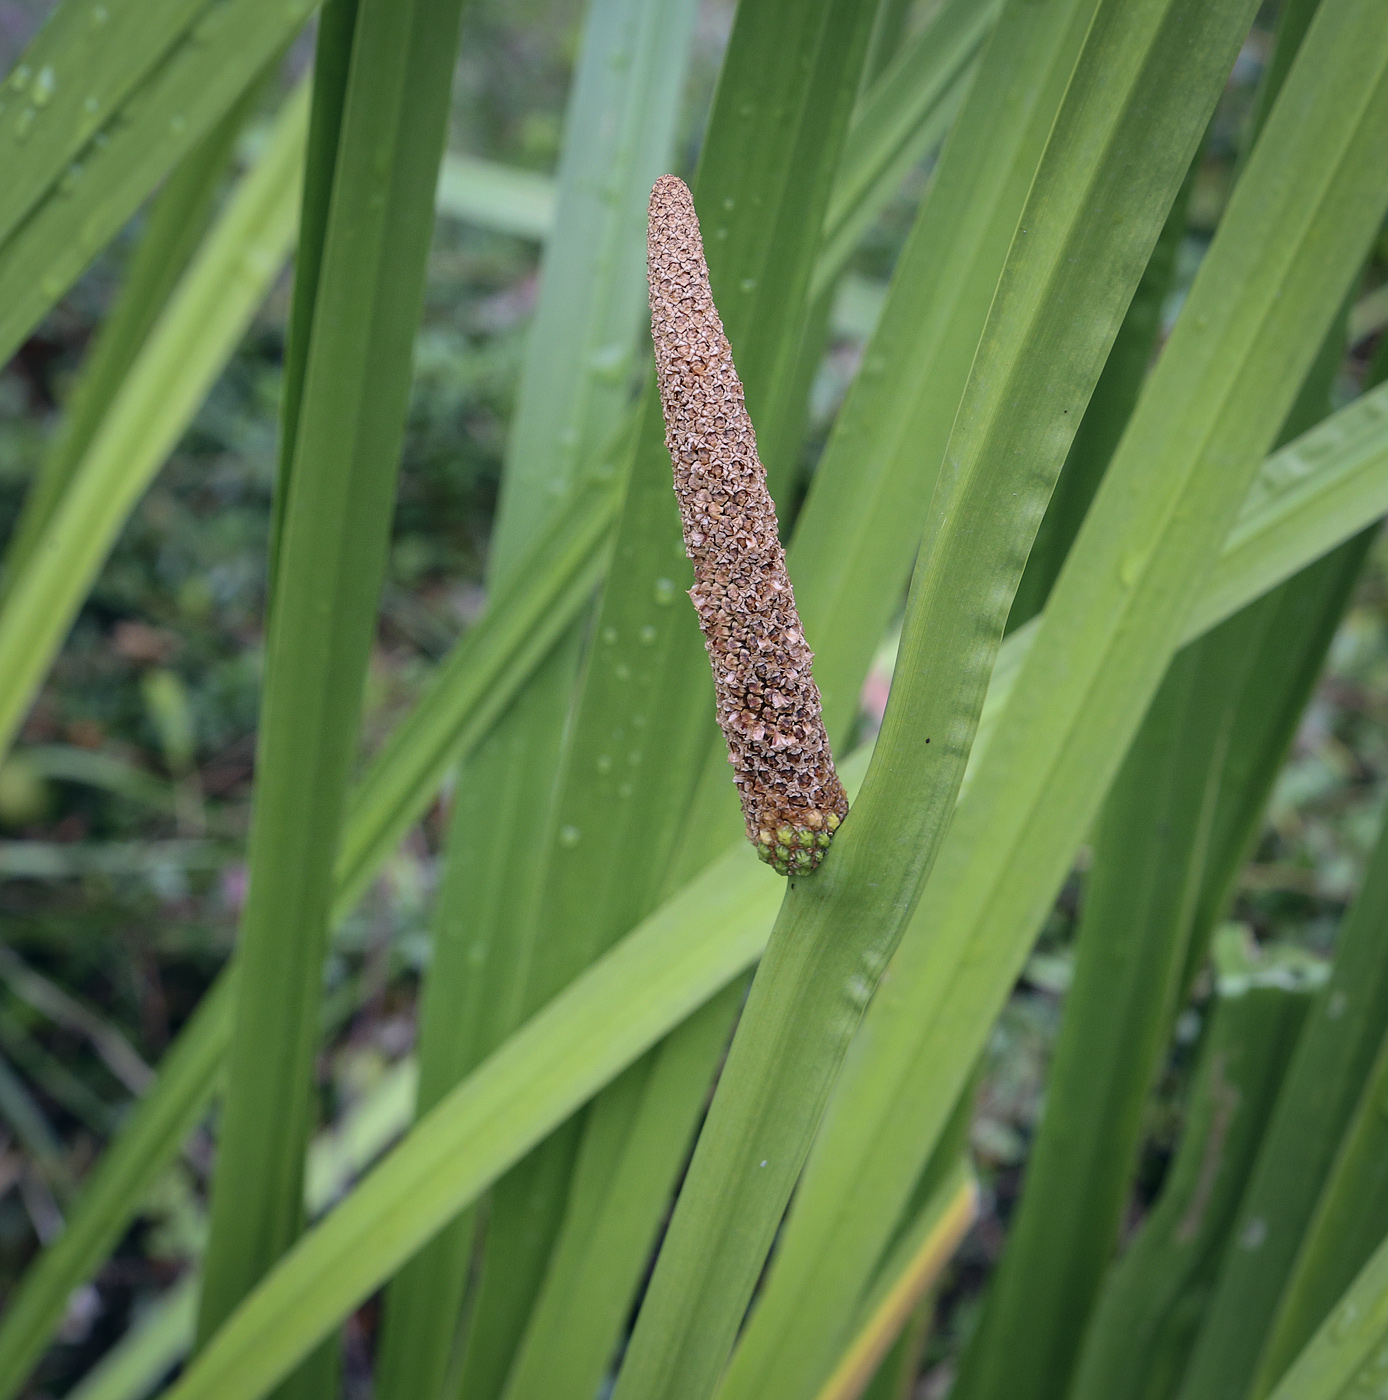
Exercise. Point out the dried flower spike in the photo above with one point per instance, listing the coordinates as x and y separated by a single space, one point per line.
768 704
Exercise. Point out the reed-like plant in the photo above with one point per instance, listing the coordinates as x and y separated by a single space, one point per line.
682 1128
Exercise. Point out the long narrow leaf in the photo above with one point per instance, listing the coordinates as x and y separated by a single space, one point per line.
1345 1357
1332 1064
1144 1326
1296 227
570 403
642 728
327 577
176 223
705 936
1352 445
118 165
77 72
1136 103
904 112
185 352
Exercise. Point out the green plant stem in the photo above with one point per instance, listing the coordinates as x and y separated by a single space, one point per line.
318 1378
861 526
1348 1221
625 1168
475 683
1337 478
162 91
329 571
1297 1155
698 942
839 927
1344 1358
1158 882
1131 955
175 225
1296 225
1105 418
332 53
904 112
606 1237
1144 1326
620 808
571 400
182 355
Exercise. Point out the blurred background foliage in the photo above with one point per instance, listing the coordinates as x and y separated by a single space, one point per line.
123 815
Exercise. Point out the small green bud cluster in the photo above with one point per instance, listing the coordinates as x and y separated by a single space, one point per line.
796 848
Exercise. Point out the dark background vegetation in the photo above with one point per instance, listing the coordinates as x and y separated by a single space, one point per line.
121 827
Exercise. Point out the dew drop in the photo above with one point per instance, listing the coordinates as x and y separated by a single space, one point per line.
604 763
569 836
665 590
1254 1233
1129 568
100 14
609 635
178 123
609 362
91 104
859 991
748 284
259 263
51 285
622 671
19 79
624 790
23 123
648 634
45 85
1345 1321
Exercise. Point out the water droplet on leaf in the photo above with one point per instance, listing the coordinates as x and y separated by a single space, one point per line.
1345 1321
45 85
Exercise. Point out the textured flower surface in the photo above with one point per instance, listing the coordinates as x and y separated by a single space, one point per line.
768 704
